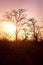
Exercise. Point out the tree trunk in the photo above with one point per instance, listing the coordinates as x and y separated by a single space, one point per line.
16 35
36 39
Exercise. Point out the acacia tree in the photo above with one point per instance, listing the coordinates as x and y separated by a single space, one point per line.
18 17
34 28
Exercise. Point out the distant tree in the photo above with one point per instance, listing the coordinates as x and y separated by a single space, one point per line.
34 28
18 17
41 33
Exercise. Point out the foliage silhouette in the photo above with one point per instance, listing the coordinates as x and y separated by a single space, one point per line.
35 28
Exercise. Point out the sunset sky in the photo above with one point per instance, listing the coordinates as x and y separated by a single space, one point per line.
34 7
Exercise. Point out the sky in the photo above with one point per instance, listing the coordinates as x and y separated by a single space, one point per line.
34 7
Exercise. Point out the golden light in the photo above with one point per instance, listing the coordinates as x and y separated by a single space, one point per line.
7 28
10 28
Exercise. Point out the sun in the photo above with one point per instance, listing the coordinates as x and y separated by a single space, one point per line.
10 28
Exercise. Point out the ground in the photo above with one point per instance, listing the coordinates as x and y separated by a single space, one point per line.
21 53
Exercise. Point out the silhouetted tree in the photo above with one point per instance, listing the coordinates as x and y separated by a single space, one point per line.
18 17
34 28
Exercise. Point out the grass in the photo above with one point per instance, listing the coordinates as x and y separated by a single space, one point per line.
22 53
